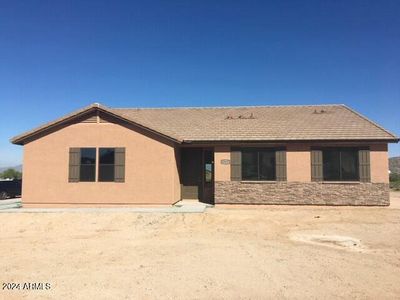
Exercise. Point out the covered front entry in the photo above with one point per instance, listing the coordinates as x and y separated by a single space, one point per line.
197 174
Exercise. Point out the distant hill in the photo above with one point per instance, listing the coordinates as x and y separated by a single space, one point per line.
16 168
394 164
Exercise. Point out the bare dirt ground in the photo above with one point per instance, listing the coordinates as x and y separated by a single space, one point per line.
232 253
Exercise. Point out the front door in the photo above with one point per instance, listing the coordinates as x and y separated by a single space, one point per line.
191 173
197 174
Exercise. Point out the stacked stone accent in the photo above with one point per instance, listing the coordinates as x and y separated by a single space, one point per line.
312 193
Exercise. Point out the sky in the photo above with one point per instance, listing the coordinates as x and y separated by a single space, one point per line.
59 56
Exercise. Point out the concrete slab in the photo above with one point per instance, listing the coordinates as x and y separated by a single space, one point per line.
193 203
167 209
10 203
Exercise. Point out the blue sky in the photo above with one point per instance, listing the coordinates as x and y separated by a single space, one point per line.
57 56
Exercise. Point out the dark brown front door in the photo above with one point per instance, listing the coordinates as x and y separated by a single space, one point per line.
191 161
197 174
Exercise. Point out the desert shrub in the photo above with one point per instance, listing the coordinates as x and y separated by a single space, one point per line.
11 173
394 177
395 181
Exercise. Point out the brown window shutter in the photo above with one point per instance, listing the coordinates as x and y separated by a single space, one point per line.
236 165
316 165
119 167
74 164
280 164
364 165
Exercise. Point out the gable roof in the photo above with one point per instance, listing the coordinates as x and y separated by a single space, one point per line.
22 138
247 123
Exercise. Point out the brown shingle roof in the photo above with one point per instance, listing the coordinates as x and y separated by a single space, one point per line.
327 122
249 123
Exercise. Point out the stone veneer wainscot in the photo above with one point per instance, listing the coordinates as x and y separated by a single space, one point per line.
302 193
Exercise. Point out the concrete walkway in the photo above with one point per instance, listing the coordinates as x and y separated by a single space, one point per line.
13 206
10 203
190 202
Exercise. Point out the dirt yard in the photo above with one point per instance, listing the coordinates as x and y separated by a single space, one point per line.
241 253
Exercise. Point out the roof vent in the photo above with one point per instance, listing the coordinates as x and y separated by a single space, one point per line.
242 117
321 111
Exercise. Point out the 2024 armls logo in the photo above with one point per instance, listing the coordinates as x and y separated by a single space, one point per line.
27 286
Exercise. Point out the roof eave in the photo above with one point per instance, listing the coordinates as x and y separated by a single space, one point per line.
389 140
19 139
395 139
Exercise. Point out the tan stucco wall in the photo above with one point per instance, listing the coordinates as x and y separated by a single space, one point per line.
298 163
151 173
379 161
298 158
222 172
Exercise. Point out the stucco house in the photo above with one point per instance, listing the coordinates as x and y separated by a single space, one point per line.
316 154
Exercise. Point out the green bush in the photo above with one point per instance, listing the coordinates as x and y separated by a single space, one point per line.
394 177
395 181
11 173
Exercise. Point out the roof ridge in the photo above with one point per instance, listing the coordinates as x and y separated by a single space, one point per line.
368 120
222 107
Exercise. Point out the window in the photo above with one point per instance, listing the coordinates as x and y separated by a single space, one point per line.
106 164
87 170
340 164
208 166
258 164
82 164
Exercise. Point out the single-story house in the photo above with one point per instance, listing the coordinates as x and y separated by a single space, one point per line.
311 154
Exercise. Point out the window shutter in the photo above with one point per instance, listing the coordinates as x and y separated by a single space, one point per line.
280 165
236 165
364 165
74 164
316 165
119 167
